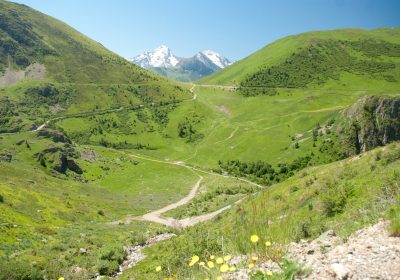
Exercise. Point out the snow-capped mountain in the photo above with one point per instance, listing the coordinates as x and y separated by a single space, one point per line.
159 57
217 59
164 62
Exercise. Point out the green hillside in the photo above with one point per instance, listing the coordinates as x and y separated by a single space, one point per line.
90 144
320 56
60 71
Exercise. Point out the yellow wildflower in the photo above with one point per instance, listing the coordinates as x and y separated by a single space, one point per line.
269 273
232 269
224 268
212 257
251 265
220 261
254 238
267 244
201 263
210 264
254 258
194 260
158 268
227 258
61 278
219 278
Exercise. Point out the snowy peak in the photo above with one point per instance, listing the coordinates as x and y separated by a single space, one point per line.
161 60
216 58
159 57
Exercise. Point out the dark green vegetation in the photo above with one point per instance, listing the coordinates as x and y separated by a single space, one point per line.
263 172
115 134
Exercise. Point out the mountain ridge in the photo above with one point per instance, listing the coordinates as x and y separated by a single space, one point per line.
162 61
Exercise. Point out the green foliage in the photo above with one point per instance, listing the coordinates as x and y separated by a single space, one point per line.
263 171
335 199
254 91
290 271
320 61
109 259
187 128
19 270
394 217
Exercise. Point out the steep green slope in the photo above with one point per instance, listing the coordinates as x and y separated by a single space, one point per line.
51 69
313 58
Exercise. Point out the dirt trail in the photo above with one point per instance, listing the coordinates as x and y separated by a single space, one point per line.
229 137
192 91
155 216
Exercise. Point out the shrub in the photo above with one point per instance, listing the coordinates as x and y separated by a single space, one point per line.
19 270
335 199
1 199
109 259
105 267
394 217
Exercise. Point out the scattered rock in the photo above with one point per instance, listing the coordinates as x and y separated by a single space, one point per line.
135 253
89 155
82 251
54 135
340 271
5 157
20 142
369 253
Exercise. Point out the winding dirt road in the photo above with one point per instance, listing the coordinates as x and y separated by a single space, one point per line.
156 216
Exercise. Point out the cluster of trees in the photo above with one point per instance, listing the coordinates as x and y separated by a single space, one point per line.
124 145
324 60
264 172
254 91
187 128
48 94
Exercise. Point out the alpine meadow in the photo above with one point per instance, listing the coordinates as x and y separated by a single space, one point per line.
282 165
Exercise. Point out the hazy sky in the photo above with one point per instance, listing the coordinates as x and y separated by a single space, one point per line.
235 28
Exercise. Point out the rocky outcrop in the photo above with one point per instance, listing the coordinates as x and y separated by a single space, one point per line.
370 253
370 122
54 135
59 159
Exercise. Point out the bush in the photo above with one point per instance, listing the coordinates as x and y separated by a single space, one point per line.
1 199
394 217
19 270
109 259
335 199
105 267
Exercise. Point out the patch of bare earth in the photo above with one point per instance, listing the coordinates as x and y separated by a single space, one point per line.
34 71
223 109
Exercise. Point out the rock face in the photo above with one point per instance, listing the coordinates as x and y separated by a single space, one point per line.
54 135
59 159
369 253
370 122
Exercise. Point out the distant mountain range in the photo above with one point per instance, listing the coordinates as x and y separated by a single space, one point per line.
161 60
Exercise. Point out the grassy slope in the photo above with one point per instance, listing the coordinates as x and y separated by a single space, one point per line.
95 78
343 196
279 50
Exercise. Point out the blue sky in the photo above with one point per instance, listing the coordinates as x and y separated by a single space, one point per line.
235 28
